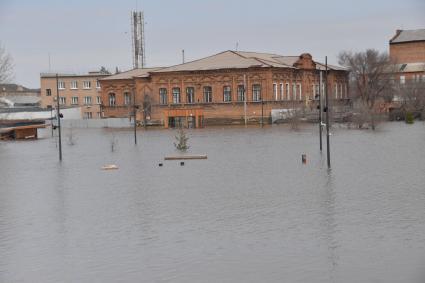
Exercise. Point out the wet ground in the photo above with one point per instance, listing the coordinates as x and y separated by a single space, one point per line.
251 212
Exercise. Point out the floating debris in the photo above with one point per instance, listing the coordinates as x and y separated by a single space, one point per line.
109 167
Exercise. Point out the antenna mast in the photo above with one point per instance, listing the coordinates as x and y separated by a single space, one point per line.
138 39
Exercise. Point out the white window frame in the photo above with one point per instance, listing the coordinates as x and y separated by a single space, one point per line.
294 91
282 91
163 97
227 93
275 91
190 95
74 100
61 85
98 100
207 93
74 85
88 115
62 100
97 84
112 97
87 100
176 91
256 93
86 84
127 98
300 92
288 91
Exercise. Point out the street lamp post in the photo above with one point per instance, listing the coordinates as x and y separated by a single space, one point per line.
328 151
134 117
58 114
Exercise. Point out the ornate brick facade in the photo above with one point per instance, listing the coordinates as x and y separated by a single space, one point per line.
201 95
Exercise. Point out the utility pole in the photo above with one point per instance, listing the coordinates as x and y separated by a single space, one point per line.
244 98
320 110
327 115
59 117
134 117
51 118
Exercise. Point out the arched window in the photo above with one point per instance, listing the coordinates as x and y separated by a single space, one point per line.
227 94
207 94
190 95
256 92
127 98
241 93
112 101
162 96
176 95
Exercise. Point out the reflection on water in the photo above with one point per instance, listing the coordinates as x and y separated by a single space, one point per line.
251 212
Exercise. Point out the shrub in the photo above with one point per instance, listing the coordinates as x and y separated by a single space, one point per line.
410 118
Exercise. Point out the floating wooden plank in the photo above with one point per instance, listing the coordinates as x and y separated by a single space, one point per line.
185 157
109 167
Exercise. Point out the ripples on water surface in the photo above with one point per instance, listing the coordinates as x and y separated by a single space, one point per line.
250 213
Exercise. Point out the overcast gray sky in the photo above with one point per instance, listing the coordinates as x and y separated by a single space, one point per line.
84 35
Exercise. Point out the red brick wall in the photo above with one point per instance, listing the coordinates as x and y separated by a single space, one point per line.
408 52
148 88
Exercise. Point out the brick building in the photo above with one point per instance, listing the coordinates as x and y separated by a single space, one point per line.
81 91
407 50
211 90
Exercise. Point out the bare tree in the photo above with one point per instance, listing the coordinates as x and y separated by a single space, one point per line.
411 96
6 66
71 137
370 77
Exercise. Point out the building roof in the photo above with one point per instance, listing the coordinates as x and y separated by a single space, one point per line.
16 88
73 75
227 60
408 36
410 67
240 60
139 73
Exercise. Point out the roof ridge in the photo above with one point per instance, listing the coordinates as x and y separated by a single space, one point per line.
222 52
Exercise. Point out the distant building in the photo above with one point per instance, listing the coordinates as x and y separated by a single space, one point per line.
211 90
17 90
18 96
407 50
81 91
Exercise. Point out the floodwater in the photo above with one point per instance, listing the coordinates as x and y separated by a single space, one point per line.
251 212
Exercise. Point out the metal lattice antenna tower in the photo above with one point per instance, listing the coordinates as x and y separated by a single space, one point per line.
138 39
